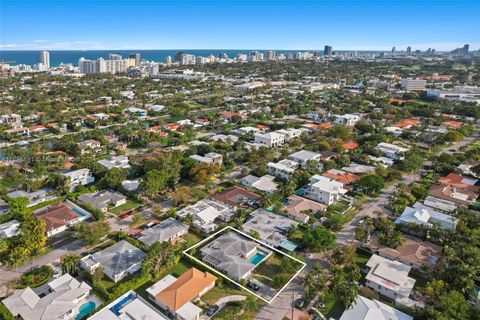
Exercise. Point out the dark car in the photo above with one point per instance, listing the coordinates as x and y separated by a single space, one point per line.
252 285
211 311
300 303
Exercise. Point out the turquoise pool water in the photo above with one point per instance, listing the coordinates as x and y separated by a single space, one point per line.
80 213
85 309
257 258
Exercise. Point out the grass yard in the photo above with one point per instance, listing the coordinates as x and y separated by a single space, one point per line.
191 239
129 205
333 307
212 296
272 268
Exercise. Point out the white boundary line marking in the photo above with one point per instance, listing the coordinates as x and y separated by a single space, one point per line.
233 281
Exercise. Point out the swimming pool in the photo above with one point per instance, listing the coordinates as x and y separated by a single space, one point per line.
85 309
79 212
257 258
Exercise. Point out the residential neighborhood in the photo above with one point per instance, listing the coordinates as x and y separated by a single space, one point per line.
298 188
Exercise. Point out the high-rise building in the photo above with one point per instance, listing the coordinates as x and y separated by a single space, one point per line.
102 65
184 58
168 59
45 58
465 49
136 57
270 55
223 56
327 51
409 50
114 56
255 56
394 51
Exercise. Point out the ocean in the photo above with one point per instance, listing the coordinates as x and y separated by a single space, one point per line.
64 56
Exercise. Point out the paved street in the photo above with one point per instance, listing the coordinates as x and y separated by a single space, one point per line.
75 247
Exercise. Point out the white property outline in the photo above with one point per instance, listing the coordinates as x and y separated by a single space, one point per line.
238 283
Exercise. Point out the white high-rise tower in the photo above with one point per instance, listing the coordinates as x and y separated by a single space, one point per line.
45 58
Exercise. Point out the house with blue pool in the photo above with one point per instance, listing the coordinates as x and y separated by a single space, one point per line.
62 298
235 255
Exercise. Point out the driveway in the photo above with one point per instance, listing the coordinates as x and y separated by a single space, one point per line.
222 302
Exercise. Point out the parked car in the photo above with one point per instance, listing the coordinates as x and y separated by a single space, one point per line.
252 285
211 311
300 303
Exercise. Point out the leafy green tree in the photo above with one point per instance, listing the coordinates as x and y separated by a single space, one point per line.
112 179
93 232
370 183
160 257
318 239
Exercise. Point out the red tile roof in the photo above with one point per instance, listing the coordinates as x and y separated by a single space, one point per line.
350 145
453 124
460 181
56 216
236 196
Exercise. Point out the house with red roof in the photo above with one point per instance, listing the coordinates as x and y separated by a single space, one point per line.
350 145
453 124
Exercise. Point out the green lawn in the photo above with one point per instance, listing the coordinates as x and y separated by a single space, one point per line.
191 239
212 296
130 204
333 307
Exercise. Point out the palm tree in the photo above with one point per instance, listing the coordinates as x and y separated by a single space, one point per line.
70 264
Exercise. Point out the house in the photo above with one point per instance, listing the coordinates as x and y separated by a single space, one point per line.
156 107
350 145
59 217
9 229
89 146
234 255
290 133
324 190
79 177
37 129
347 119
459 181
297 206
269 139
271 227
247 130
357 168
101 200
440 204
346 178
459 196
167 230
63 300
426 216
129 306
21 131
176 295
304 156
131 185
13 120
235 196
229 138
205 214
34 197
389 278
366 309
392 151
416 253
119 162
137 112
264 183
283 169
210 158
117 261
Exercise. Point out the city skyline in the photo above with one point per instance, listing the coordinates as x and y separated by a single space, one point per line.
287 25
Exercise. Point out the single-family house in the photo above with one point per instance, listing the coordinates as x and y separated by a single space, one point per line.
176 295
119 162
324 190
264 183
366 309
392 151
63 300
117 261
9 229
297 207
269 139
236 196
168 230
283 169
426 216
79 177
206 213
101 200
304 156
210 158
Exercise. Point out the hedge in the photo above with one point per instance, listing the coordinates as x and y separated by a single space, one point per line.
5 314
35 277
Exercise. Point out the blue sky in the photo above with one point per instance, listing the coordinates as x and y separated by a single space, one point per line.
264 24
